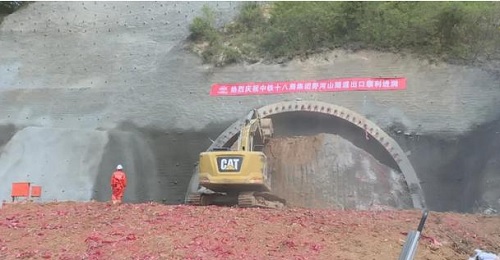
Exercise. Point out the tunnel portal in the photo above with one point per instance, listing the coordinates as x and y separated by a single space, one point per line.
303 118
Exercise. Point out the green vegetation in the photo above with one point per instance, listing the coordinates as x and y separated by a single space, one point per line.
450 31
8 7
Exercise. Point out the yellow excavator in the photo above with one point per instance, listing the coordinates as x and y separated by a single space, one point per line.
238 175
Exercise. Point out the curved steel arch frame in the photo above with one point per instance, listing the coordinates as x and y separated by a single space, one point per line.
352 117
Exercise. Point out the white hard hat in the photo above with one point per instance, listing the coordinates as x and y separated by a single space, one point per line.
119 167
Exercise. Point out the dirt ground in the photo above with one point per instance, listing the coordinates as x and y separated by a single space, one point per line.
70 230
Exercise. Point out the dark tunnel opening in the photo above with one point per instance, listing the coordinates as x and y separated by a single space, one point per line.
305 123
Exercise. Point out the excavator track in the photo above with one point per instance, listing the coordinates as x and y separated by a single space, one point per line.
197 199
244 200
216 198
194 200
260 200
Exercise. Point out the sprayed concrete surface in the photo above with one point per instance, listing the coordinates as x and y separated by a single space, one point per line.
159 163
73 164
128 60
64 161
98 65
460 174
327 171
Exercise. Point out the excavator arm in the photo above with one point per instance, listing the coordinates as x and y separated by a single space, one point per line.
255 131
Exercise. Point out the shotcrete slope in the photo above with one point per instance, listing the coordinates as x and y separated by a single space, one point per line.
64 161
98 65
129 60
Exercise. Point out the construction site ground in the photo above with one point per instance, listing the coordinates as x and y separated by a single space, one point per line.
98 230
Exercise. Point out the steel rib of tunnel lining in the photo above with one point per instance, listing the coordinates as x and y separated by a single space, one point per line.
352 117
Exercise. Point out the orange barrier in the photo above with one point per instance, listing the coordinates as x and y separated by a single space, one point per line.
36 191
25 190
20 189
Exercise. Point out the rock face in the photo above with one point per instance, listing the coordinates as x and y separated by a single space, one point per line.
327 171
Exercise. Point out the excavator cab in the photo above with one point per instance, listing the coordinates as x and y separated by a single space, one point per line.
239 175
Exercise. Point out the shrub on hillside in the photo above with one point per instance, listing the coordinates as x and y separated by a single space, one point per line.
203 28
450 30
251 17
295 28
8 7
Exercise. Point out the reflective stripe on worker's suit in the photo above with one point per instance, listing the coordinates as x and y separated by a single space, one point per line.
118 185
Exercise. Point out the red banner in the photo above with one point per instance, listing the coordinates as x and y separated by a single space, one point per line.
329 85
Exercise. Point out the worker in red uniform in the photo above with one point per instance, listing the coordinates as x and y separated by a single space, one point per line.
118 184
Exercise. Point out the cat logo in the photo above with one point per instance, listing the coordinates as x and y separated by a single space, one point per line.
229 164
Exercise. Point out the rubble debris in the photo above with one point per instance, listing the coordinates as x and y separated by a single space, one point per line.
328 171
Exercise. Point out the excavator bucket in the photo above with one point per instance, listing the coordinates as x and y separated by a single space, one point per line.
266 126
